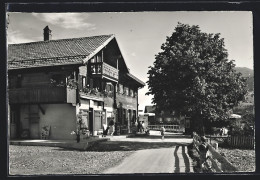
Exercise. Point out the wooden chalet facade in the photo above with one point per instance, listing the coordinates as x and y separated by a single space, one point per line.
51 82
164 117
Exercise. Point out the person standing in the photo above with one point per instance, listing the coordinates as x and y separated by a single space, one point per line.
162 132
142 126
104 130
139 126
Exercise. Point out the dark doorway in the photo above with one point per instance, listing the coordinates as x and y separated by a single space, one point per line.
91 120
14 121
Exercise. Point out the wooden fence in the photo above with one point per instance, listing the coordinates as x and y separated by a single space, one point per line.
169 128
235 141
217 161
241 141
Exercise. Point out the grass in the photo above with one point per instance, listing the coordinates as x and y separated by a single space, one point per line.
243 159
39 160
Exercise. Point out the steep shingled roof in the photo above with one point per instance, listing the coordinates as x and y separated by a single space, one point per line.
54 52
58 52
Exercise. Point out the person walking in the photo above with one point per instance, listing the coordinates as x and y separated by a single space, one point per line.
162 132
112 126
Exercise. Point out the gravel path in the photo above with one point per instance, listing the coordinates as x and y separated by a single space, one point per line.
40 160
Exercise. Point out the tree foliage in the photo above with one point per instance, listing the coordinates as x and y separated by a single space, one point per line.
192 76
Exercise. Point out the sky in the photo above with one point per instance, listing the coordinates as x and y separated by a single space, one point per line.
139 34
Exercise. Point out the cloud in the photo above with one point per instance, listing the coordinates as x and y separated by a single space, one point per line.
15 37
66 20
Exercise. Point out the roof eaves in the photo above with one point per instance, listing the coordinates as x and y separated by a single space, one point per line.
136 79
45 62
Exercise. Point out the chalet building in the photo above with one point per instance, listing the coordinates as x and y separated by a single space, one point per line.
164 117
53 82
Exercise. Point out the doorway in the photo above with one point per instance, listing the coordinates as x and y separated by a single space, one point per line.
91 120
14 121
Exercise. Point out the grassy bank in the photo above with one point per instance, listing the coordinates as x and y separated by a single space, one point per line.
243 159
40 160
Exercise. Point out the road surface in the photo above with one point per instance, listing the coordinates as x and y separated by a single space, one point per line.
173 159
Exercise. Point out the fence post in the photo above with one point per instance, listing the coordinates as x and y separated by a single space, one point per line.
215 145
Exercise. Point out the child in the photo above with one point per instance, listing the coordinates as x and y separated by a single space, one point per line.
162 132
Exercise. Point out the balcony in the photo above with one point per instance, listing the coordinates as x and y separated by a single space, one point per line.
37 95
94 94
102 69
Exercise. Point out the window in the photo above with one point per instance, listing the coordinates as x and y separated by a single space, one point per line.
92 60
58 79
126 91
83 82
131 93
98 58
109 87
121 89
134 93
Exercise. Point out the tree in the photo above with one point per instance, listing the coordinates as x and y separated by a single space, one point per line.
192 76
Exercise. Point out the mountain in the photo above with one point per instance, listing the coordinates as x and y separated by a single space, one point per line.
248 73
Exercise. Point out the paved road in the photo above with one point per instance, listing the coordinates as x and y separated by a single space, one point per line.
174 159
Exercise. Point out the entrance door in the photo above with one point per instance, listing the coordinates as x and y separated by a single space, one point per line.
34 122
129 120
98 120
14 121
91 120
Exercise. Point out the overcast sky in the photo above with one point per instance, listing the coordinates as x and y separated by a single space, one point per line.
139 34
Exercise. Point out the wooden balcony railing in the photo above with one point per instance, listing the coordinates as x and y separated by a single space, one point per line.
95 94
104 69
37 95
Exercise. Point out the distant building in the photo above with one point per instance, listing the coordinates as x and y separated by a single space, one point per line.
164 117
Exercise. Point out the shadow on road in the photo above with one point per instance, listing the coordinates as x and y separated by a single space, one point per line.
131 146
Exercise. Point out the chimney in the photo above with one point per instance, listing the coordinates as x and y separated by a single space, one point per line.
46 34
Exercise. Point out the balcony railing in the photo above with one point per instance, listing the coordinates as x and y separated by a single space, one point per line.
102 68
95 94
37 95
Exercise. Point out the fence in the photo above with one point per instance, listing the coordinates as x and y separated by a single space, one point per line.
217 161
241 141
169 128
235 141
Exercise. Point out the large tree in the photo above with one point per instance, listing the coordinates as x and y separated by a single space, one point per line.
193 77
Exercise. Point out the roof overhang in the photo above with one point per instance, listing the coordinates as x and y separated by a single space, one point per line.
138 81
